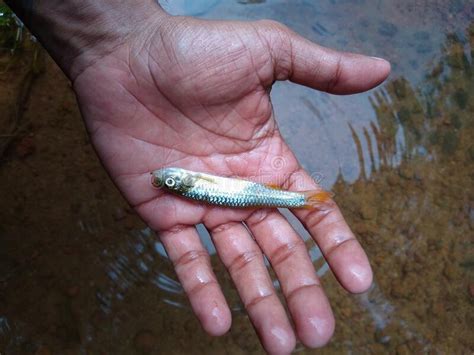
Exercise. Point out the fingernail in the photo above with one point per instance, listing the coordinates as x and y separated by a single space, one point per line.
281 335
381 60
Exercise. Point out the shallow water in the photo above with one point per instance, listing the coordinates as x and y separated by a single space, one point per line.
80 273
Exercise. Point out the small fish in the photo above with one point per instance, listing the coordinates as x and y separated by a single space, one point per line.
233 192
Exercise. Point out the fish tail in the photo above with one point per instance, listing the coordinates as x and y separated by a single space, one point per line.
316 198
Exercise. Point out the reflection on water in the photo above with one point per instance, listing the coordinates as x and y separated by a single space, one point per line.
84 275
189 7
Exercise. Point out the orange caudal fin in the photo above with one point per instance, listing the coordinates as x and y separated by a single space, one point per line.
317 198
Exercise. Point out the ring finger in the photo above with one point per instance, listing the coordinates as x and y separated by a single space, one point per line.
193 268
244 260
289 258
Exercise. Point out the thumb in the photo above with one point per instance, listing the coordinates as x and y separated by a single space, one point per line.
304 62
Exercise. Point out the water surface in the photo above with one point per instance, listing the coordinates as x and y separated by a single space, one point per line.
80 273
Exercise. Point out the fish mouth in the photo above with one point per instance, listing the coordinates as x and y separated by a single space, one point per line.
157 178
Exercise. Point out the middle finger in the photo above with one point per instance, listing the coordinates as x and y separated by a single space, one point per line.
289 257
244 260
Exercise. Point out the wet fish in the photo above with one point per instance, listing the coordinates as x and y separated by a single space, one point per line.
234 192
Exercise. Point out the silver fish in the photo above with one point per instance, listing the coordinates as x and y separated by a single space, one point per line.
233 192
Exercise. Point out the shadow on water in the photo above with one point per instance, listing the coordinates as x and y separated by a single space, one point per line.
84 275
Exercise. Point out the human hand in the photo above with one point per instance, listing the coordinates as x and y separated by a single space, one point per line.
195 94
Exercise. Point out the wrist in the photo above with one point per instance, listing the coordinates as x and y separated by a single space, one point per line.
78 32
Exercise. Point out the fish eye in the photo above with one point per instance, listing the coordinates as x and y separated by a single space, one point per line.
170 182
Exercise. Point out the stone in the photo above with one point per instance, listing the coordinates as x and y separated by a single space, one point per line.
397 290
119 214
43 350
393 180
72 291
368 212
382 337
387 29
129 223
145 341
346 312
403 349
25 147
450 272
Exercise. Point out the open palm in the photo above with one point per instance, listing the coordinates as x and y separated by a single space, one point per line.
195 94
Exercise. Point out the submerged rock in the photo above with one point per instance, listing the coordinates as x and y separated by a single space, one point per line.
387 29
145 341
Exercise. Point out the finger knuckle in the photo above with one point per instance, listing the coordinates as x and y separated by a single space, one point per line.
315 218
200 286
224 227
259 216
243 260
190 257
302 288
337 244
254 301
285 251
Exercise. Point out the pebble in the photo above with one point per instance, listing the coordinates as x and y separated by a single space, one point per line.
68 250
471 290
145 341
129 223
438 309
73 291
404 115
420 313
377 349
365 230
450 272
435 244
470 153
461 97
382 337
393 180
458 219
346 312
397 290
25 147
92 175
43 350
449 142
415 347
406 172
421 36
119 214
403 350
97 319
387 29
243 336
368 212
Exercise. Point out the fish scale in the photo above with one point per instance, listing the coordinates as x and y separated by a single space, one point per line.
252 196
233 192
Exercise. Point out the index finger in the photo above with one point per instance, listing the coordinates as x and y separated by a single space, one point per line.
338 244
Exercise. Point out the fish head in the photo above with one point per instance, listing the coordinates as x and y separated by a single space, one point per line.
174 179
